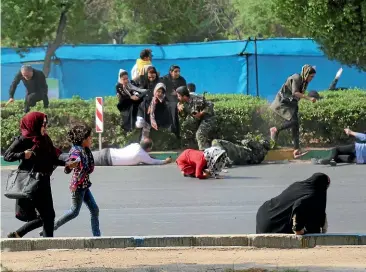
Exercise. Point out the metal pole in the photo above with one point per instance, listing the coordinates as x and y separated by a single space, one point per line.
256 64
247 60
100 141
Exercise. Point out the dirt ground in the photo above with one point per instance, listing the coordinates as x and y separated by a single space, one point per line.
321 258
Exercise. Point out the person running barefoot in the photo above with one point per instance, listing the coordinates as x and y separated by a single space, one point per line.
286 105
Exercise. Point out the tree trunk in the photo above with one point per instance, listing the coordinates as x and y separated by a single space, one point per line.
52 47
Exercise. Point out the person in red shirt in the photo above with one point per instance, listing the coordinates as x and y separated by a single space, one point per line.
202 164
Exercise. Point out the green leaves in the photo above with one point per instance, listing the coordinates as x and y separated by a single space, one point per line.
338 26
31 23
256 18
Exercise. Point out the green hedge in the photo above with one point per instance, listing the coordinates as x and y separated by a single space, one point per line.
322 123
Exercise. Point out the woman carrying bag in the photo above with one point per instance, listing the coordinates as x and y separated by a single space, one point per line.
38 156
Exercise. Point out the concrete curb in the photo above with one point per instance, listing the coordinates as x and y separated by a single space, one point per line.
283 241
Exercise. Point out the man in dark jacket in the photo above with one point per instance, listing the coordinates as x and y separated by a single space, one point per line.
35 84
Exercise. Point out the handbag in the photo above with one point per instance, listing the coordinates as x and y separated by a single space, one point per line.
25 210
21 184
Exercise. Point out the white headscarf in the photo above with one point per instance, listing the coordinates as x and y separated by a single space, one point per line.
216 158
154 101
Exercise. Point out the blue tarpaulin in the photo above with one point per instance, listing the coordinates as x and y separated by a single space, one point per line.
216 67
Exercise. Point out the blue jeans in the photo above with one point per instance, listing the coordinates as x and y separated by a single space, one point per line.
77 199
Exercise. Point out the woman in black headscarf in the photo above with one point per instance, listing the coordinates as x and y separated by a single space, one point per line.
148 80
299 209
173 80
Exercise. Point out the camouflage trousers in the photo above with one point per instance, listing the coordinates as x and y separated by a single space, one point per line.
205 130
248 152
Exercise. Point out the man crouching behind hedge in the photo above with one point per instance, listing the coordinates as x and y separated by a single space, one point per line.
248 151
198 111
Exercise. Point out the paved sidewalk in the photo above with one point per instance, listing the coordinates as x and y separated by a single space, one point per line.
187 259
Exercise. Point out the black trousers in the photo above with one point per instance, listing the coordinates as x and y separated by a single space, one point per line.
32 98
348 150
175 127
43 202
128 110
295 128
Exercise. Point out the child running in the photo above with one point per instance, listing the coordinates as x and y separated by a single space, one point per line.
81 155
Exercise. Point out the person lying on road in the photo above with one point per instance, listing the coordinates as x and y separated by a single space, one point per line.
355 152
202 164
133 154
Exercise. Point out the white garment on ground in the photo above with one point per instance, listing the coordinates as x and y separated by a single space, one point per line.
132 154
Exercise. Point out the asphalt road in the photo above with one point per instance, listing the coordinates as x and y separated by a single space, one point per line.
157 200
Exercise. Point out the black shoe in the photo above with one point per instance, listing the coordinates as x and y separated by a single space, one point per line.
324 161
327 162
333 163
229 163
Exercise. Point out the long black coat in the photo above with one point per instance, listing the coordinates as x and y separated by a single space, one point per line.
127 107
163 116
306 199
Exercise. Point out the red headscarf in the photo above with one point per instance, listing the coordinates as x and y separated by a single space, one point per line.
30 126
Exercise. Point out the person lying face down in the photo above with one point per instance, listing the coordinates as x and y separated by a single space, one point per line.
132 154
247 151
299 209
202 164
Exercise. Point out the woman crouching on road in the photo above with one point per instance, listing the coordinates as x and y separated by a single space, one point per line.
299 209
202 164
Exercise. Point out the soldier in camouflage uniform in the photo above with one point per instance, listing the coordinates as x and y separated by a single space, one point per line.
247 152
199 114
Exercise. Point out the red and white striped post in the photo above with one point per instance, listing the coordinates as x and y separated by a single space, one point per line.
99 118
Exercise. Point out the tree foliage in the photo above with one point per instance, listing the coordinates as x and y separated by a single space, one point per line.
257 19
163 21
339 26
